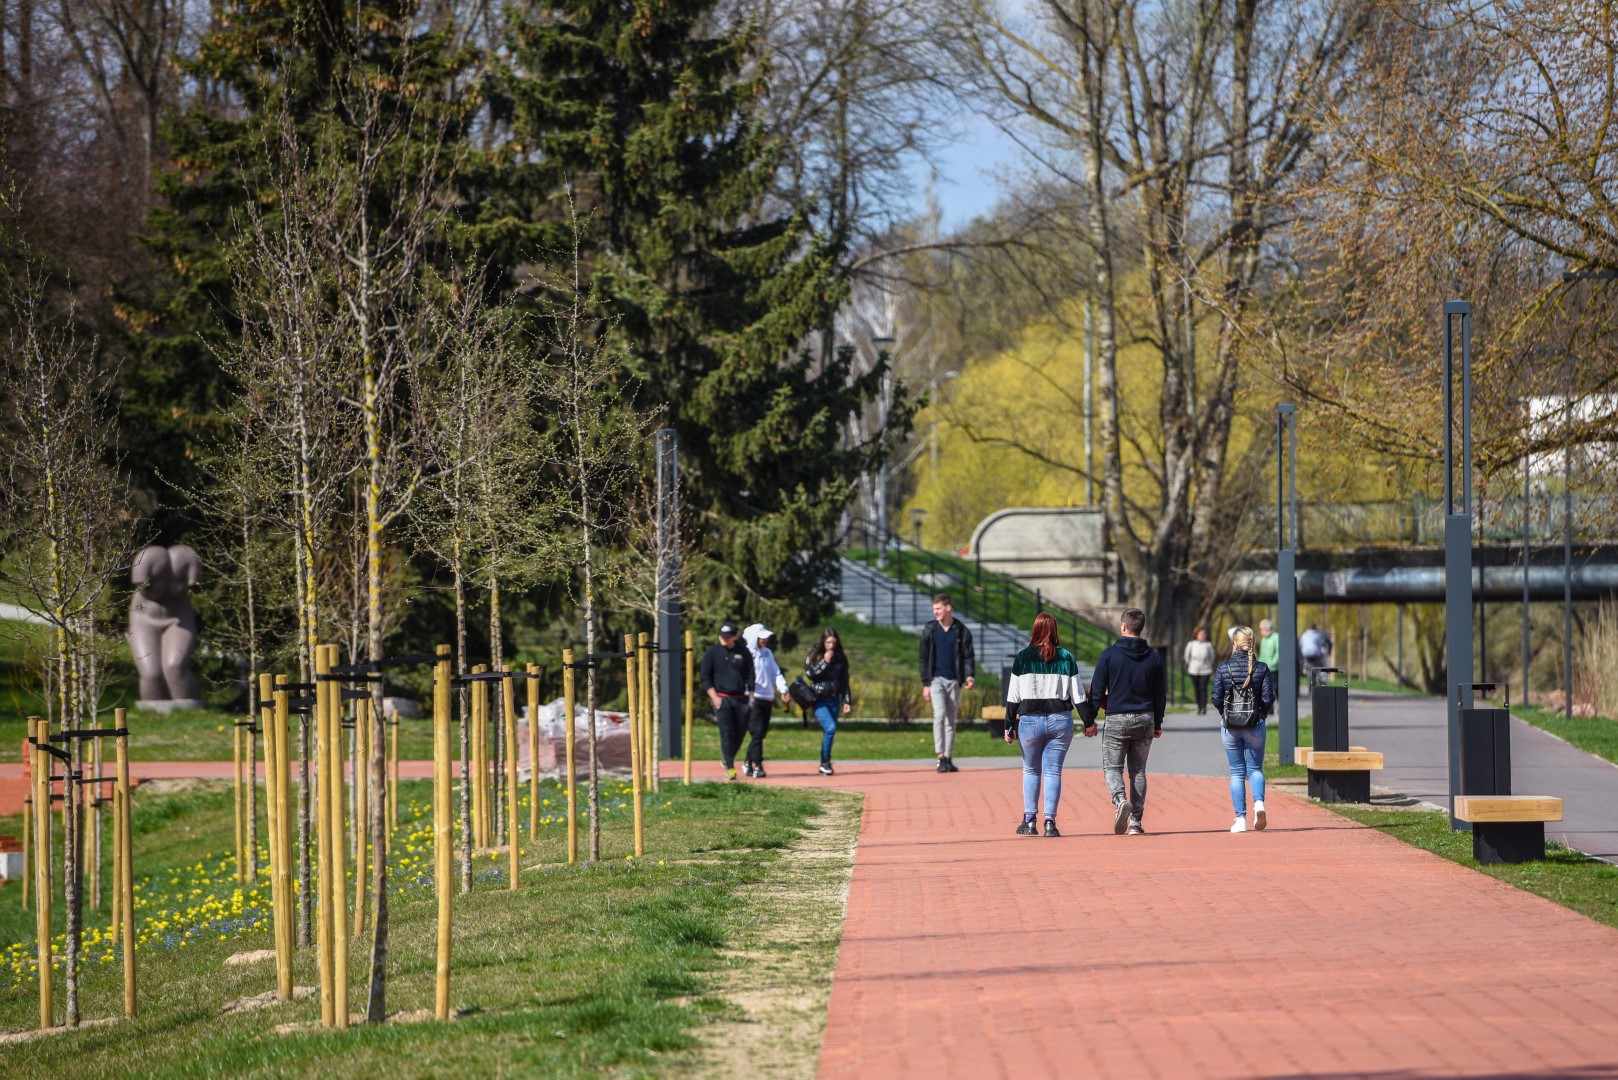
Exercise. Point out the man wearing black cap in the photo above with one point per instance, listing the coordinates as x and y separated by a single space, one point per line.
727 676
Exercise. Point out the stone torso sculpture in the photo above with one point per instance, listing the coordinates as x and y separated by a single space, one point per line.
163 627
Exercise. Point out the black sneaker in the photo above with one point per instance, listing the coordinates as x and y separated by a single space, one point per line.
951 763
1050 828
943 764
758 771
825 768
747 768
1027 828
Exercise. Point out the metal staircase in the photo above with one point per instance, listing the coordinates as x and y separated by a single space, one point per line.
876 599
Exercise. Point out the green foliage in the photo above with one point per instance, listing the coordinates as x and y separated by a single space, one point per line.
650 122
287 78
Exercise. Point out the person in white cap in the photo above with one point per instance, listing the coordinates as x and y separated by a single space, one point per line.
767 682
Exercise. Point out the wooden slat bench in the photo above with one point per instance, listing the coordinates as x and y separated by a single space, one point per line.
1339 775
995 717
1508 828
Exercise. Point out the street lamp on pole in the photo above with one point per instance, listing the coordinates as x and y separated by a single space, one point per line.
1457 537
883 343
1286 569
917 516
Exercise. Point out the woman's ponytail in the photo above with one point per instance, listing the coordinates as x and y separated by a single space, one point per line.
1243 642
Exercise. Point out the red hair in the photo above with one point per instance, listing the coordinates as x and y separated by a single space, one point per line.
1044 636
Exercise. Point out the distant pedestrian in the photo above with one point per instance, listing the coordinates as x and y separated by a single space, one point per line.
1243 693
1199 664
1269 646
947 667
827 670
767 682
1045 688
1130 685
1315 648
727 676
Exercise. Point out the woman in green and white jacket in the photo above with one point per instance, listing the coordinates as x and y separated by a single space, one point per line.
1045 689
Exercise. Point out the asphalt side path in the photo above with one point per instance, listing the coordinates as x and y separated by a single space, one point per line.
1315 948
1413 735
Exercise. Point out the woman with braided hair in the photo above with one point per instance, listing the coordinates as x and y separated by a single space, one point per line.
1243 693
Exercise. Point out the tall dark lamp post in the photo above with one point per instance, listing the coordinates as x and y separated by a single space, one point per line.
1527 497
917 516
671 663
1457 537
884 356
1286 569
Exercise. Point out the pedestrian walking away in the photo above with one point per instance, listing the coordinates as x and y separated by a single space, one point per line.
826 668
1044 690
1243 694
947 667
767 682
1199 664
1315 649
727 676
1130 685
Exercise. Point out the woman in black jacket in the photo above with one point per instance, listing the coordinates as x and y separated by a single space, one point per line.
827 670
1243 694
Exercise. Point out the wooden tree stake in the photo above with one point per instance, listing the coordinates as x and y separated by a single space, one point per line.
569 726
443 872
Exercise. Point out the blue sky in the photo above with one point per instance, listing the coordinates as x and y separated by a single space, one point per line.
965 184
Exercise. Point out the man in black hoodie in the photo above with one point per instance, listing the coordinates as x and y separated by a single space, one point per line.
727 676
1130 684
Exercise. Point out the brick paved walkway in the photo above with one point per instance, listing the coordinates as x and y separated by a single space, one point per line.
1317 948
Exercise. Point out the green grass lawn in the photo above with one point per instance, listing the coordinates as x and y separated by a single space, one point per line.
201 735
1566 877
1596 735
585 971
1273 765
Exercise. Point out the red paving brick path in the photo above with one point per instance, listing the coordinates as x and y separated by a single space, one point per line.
1316 948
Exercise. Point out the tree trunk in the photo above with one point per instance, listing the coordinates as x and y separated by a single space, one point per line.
497 744
466 720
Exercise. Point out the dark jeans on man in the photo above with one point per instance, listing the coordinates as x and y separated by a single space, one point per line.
1126 740
731 716
758 726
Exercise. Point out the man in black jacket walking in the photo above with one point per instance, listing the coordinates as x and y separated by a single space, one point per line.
1131 685
727 676
947 667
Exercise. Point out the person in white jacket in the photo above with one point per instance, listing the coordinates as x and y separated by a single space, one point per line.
767 682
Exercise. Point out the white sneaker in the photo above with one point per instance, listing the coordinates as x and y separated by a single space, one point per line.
1240 824
1259 818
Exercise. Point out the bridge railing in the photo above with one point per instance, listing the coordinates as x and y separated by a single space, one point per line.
1420 521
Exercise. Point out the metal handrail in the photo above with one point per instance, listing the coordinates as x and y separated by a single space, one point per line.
997 588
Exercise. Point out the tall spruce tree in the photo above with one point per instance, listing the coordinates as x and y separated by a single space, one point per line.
650 124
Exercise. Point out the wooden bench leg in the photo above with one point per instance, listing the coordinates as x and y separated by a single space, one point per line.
1495 842
1339 786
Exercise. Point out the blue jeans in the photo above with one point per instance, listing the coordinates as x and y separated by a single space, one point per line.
1244 749
1045 740
826 712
